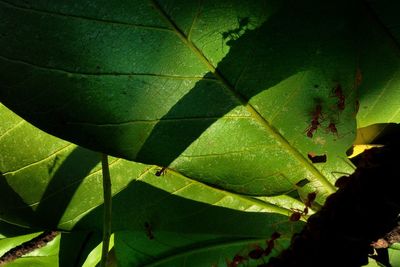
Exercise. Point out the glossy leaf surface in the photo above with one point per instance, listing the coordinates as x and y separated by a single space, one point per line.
60 187
220 92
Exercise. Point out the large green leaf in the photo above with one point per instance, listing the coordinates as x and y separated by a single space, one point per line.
222 92
218 91
49 182
380 64
60 187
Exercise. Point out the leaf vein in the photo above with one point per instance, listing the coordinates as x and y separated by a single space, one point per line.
176 192
318 176
105 73
246 150
116 124
59 14
195 19
39 161
12 128
55 192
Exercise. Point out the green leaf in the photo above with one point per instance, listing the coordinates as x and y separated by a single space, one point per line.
220 92
67 195
380 65
61 184
193 251
394 255
95 255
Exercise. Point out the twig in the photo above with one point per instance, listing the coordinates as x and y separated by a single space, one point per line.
107 209
27 247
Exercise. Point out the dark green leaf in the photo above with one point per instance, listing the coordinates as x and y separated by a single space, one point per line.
218 91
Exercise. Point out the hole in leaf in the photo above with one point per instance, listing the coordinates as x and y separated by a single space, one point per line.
317 158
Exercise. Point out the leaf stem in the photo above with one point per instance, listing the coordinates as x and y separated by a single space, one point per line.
107 209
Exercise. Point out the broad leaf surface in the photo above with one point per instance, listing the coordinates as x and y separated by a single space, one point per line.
394 255
220 92
132 251
43 170
379 92
48 183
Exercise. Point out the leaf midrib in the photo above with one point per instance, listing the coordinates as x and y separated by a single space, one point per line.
256 115
112 74
105 21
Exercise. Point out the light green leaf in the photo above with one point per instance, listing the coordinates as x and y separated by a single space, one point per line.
394 255
61 186
67 195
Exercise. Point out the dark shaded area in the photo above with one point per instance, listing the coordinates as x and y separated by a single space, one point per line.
317 158
230 36
12 230
364 209
169 212
9 198
60 190
68 178
258 254
382 257
157 214
74 248
390 135
149 230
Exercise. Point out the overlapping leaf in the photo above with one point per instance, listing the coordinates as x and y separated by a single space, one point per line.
44 170
67 194
380 64
219 91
